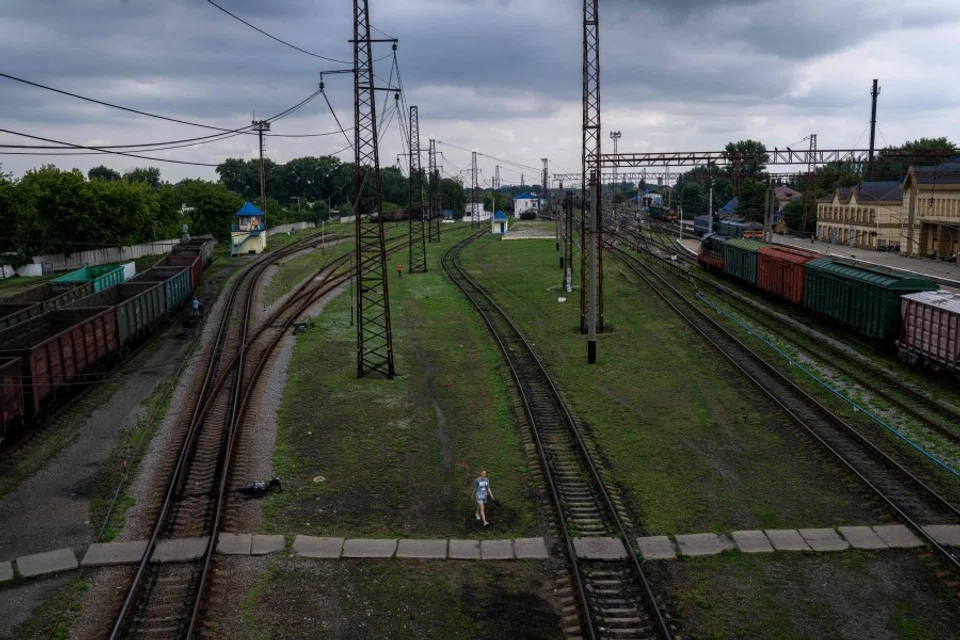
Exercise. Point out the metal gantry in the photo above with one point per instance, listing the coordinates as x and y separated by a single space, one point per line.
496 187
418 244
591 277
433 182
810 200
374 336
568 242
474 211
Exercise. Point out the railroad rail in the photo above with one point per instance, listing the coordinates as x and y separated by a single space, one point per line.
615 598
166 600
913 501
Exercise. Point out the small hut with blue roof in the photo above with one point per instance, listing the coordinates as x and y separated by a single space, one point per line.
499 223
248 234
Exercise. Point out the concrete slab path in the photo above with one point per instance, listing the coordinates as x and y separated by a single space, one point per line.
180 549
6 571
40 564
897 536
599 548
786 540
108 554
862 537
235 544
369 548
656 548
436 549
262 545
464 549
496 550
824 540
530 549
704 544
752 542
314 547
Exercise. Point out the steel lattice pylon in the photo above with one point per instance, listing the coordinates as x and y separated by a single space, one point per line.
591 161
474 210
433 218
418 244
568 243
374 337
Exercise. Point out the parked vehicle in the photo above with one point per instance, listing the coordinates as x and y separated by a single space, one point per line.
931 329
100 277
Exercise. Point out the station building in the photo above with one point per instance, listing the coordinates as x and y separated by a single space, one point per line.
931 211
499 223
525 202
248 233
866 216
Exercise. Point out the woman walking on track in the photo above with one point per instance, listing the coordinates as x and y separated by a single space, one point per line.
482 489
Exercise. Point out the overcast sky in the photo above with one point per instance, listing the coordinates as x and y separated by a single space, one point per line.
499 76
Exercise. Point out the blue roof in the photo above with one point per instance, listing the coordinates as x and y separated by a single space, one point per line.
526 196
447 212
249 209
500 215
730 206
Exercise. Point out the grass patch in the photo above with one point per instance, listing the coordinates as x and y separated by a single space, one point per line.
695 447
854 594
403 601
54 617
398 457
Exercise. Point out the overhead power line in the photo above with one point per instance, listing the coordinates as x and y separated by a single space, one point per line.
273 37
501 160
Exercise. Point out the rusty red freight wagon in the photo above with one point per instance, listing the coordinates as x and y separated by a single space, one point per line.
192 262
57 348
12 406
782 271
931 329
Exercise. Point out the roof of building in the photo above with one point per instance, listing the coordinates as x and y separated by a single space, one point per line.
786 193
731 205
946 173
499 215
447 212
890 191
249 209
525 196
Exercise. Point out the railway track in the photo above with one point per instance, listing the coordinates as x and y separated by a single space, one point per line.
927 411
166 600
614 597
913 501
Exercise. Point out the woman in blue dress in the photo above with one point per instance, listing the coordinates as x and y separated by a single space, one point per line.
482 490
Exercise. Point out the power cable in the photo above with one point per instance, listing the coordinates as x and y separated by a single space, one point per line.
272 37
334 114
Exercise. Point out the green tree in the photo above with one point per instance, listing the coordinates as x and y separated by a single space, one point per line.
750 156
147 175
888 167
213 206
103 173
692 199
793 215
752 199
452 197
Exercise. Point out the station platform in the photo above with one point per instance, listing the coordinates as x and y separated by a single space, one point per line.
946 274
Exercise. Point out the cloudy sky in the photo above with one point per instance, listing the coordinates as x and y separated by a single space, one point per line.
499 76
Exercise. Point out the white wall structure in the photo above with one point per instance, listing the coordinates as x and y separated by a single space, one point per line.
293 226
482 214
525 202
93 257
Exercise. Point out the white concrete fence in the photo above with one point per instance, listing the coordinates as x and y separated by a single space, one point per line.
293 226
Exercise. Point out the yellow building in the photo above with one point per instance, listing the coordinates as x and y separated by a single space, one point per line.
931 211
866 216
248 234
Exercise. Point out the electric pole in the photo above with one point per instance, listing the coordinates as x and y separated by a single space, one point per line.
560 213
418 246
374 336
568 243
433 221
261 126
615 136
873 126
591 293
474 212
810 199
496 187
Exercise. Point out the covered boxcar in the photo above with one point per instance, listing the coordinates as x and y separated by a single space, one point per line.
711 252
11 396
140 308
175 281
58 346
192 262
202 246
931 329
783 270
53 295
867 300
740 258
12 313
100 277
737 228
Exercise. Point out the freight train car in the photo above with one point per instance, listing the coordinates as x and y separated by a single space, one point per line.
175 281
11 397
867 300
12 313
701 225
740 258
931 330
711 252
193 262
99 277
202 246
140 308
52 295
55 348
783 270
660 212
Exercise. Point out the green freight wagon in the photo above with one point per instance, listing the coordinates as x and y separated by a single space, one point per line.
866 299
52 295
101 277
140 308
740 258
176 284
12 313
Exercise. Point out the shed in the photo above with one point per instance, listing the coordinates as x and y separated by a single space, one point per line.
499 224
248 234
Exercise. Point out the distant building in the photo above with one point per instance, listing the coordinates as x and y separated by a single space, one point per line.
525 202
478 210
499 224
730 208
248 233
785 194
866 216
930 215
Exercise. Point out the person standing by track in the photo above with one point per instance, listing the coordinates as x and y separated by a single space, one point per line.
399 270
482 490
